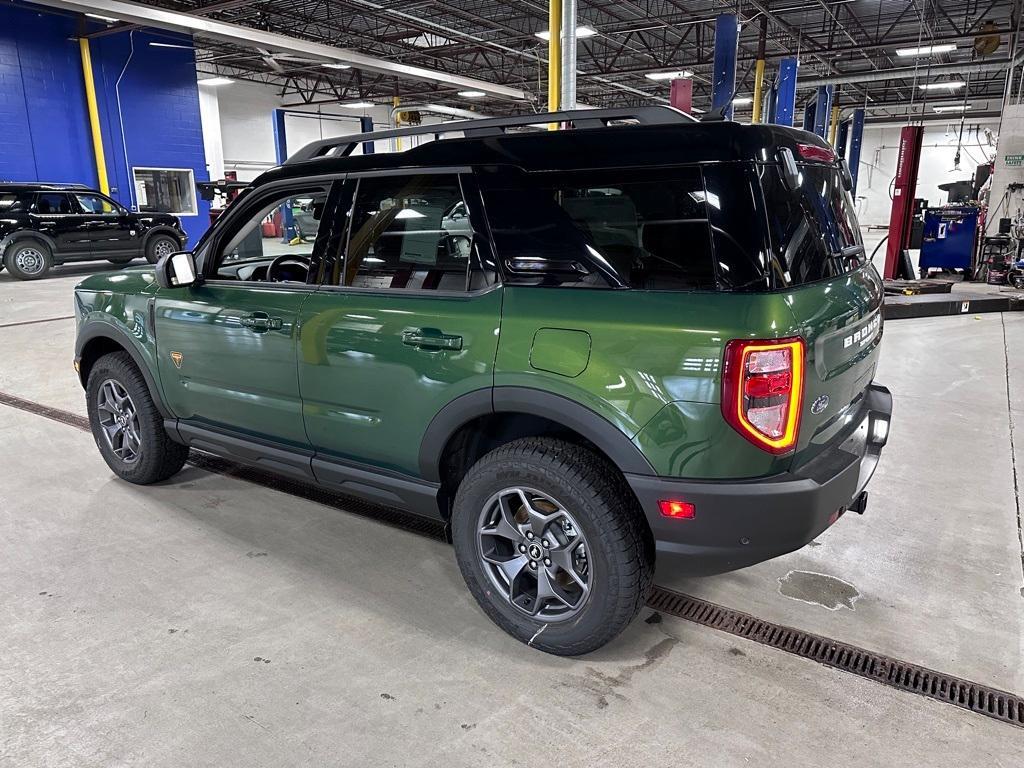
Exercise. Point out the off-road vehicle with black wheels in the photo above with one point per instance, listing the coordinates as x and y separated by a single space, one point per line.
636 345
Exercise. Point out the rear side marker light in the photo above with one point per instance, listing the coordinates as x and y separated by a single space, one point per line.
816 153
681 510
762 391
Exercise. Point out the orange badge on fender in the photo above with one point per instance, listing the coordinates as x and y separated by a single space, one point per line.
176 358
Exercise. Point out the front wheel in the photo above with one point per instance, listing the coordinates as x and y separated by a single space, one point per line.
126 425
552 545
160 246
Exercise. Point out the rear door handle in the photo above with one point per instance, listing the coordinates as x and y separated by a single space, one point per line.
261 322
429 338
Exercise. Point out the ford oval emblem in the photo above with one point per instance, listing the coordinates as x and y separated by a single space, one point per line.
819 405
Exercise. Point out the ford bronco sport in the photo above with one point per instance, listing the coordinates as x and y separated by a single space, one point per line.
44 225
637 342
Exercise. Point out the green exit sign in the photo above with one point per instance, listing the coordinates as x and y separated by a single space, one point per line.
1012 160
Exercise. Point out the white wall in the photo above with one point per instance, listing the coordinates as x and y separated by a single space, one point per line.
878 164
244 126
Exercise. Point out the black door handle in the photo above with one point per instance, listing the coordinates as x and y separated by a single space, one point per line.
430 338
261 322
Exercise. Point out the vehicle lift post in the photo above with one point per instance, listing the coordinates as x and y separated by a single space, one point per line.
723 86
901 218
785 93
281 149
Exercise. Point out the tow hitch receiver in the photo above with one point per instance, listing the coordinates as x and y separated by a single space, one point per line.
860 503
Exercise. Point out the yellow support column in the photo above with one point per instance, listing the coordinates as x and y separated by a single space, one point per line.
833 126
758 90
94 117
554 58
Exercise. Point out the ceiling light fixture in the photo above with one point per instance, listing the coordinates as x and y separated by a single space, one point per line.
673 75
740 101
952 108
108 19
950 85
170 45
581 32
216 81
359 105
926 50
472 94
335 65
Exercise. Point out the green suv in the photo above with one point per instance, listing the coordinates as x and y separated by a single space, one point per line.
638 342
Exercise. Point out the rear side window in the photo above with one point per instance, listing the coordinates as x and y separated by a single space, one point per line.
812 231
48 203
645 229
12 203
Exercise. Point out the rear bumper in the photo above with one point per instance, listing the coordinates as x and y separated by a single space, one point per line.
739 523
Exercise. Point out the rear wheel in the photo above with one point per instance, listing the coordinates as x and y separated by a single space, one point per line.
552 545
126 425
160 246
28 260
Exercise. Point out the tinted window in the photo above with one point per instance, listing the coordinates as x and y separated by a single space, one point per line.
49 203
95 204
409 232
812 231
643 229
12 203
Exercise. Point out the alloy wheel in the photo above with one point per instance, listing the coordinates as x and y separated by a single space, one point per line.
163 247
119 421
535 554
30 261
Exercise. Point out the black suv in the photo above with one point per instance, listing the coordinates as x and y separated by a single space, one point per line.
42 225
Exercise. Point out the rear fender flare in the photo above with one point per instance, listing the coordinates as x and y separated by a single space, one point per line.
612 441
27 234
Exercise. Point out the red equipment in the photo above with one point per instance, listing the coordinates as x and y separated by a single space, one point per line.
902 216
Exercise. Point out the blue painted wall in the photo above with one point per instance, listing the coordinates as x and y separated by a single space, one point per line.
44 128
44 125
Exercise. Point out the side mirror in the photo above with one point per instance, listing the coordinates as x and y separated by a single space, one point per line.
790 170
176 270
844 172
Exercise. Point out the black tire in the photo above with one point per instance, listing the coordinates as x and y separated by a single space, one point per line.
28 260
158 457
156 245
619 550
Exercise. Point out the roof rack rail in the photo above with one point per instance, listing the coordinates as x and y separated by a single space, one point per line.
343 146
54 184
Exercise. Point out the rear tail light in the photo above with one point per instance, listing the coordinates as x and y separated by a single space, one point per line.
762 389
815 153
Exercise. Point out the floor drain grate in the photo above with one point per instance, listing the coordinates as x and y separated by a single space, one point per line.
999 705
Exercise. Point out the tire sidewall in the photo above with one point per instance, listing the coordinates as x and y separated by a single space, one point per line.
16 248
119 368
482 482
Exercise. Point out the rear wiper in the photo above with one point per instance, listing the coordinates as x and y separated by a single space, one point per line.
848 252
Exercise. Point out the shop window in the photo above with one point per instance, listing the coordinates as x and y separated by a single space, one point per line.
166 190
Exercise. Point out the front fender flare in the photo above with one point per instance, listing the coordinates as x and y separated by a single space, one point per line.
102 330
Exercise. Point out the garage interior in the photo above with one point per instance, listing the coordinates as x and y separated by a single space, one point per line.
230 617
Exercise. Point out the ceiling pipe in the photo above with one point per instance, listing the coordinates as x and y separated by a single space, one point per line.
249 37
904 73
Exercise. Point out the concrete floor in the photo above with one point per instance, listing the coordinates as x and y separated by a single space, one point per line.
212 622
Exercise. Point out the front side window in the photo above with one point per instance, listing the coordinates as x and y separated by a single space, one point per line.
645 229
275 244
50 203
96 204
408 232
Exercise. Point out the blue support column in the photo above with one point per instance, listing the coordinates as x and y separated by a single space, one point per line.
785 97
856 139
823 109
281 152
365 126
810 110
723 84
